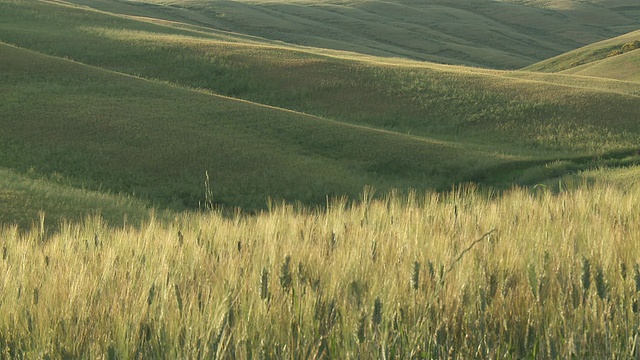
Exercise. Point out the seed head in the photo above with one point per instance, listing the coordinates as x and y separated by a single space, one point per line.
586 274
376 318
286 277
415 275
264 284
361 328
152 294
601 285
636 268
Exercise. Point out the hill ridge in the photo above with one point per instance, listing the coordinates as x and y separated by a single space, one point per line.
426 139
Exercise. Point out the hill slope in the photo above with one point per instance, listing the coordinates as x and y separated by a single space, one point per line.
587 55
454 103
624 67
370 121
486 33
26 202
157 141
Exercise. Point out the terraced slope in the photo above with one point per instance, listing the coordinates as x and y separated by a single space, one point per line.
497 34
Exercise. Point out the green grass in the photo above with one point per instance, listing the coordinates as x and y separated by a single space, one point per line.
25 202
157 141
394 123
558 278
624 67
423 99
485 33
587 55
107 117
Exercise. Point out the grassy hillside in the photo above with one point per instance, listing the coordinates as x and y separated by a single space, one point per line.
588 55
32 203
401 123
158 141
108 114
456 103
620 67
486 33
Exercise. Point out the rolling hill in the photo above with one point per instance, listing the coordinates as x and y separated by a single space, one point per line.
598 54
157 141
487 33
413 209
624 67
148 107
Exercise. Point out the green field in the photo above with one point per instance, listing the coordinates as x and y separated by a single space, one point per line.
499 34
357 120
171 154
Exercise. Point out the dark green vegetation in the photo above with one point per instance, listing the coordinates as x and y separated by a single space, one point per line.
49 202
127 104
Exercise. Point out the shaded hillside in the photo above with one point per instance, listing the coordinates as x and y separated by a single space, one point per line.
157 141
28 202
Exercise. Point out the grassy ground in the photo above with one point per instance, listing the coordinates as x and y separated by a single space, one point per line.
465 274
620 67
158 141
450 102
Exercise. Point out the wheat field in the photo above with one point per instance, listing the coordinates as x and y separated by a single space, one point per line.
462 274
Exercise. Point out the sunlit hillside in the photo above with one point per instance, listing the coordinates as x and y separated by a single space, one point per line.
603 54
624 67
497 34
358 120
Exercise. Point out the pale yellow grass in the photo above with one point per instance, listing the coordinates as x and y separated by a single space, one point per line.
192 287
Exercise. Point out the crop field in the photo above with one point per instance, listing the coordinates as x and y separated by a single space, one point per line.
461 274
319 179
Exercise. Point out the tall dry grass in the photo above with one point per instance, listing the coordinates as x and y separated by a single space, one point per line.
399 277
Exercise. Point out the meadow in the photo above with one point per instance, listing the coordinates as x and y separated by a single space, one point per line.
357 120
230 179
461 274
481 33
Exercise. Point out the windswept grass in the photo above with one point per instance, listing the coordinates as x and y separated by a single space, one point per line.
462 275
136 106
